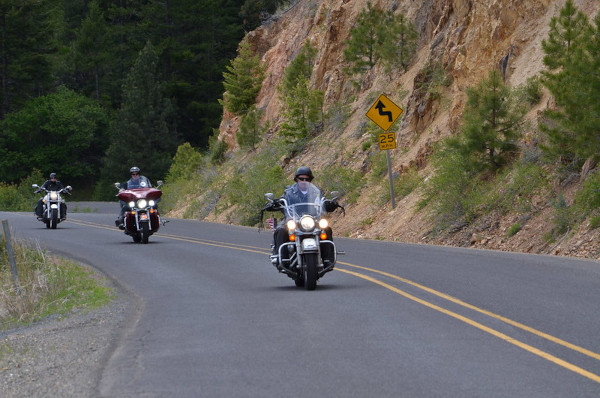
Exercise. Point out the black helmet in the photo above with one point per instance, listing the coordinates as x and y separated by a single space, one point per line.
304 170
134 169
52 175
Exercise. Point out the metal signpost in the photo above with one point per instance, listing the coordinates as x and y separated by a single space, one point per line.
384 113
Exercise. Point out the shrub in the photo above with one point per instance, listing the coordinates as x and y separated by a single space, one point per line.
346 181
516 227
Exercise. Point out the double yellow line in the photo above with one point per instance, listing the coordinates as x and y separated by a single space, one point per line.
480 326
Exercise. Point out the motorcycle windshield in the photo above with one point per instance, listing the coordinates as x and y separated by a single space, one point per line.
298 210
301 203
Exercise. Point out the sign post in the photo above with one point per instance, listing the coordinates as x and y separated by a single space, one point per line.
384 113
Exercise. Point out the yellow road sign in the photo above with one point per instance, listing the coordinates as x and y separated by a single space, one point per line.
384 112
387 141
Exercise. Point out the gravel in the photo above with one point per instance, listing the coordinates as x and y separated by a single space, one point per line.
63 356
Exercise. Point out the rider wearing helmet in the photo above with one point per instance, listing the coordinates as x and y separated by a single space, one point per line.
298 193
136 181
51 184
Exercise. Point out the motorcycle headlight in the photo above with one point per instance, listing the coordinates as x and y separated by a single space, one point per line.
323 223
131 204
151 203
53 195
142 203
291 225
307 223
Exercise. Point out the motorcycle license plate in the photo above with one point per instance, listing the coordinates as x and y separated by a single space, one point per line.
144 216
309 244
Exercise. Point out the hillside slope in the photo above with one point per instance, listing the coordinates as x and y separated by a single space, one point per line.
469 38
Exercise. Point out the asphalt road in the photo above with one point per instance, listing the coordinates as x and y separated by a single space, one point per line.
215 318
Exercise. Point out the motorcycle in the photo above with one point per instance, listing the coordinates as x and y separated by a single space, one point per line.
54 208
142 218
300 258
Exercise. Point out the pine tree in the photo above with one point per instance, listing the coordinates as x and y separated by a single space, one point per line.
143 133
366 39
401 46
250 131
242 81
301 67
491 122
380 35
303 113
569 61
91 47
26 69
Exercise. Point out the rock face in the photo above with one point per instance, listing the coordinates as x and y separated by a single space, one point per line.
467 38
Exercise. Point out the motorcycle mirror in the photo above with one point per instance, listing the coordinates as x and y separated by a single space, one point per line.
35 186
269 196
118 185
160 183
68 188
334 194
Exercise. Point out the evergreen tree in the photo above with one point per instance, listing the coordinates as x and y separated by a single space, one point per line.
91 48
303 113
569 58
402 43
254 11
380 35
491 121
143 133
242 81
366 39
26 69
301 67
250 129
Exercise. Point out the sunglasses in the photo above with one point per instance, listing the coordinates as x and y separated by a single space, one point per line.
135 174
303 178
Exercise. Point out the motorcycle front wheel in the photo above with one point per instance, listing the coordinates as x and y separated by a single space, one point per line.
145 232
54 219
311 262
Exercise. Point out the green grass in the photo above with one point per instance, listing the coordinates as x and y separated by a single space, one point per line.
48 285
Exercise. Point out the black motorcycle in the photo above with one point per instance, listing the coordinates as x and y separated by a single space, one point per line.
300 258
53 205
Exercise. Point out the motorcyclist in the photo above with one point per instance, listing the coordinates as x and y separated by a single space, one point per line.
52 184
299 193
136 181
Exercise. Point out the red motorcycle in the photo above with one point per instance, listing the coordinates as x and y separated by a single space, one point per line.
141 216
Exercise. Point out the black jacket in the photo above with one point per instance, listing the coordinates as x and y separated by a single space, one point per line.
50 185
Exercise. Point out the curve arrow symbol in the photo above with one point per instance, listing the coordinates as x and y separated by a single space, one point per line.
380 106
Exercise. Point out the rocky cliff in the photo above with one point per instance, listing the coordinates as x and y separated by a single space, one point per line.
469 38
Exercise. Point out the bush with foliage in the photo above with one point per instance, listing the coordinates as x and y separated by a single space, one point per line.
246 189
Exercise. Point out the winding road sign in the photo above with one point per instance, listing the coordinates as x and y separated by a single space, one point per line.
384 112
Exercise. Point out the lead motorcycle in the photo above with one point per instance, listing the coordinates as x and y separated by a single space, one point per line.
142 218
300 258
54 208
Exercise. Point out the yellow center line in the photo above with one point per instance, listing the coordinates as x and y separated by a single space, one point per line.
482 327
482 311
500 335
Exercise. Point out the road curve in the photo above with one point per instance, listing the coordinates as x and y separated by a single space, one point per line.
216 318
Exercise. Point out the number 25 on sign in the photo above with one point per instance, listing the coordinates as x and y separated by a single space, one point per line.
387 141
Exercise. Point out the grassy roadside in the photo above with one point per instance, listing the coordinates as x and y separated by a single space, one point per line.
48 285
